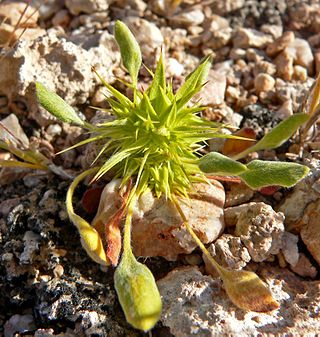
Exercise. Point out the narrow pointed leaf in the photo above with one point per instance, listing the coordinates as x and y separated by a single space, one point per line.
129 48
265 173
195 78
278 135
159 80
57 106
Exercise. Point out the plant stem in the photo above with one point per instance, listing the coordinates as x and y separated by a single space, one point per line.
222 271
127 250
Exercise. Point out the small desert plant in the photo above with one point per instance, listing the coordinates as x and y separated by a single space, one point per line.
153 144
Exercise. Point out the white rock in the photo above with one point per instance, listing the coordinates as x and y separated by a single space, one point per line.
87 6
290 248
60 65
301 52
248 37
189 18
31 245
286 110
214 91
13 131
295 204
260 229
147 34
196 305
226 6
174 68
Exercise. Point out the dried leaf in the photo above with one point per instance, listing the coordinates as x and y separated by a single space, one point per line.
90 199
90 238
233 146
248 291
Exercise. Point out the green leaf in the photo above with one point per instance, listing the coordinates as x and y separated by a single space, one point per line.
129 49
278 135
265 173
159 80
57 106
216 163
196 78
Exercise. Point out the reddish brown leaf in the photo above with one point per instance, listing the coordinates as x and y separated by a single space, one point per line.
91 198
269 190
234 146
113 231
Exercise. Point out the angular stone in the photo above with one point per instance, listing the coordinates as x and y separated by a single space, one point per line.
229 252
147 34
295 204
87 6
284 64
196 305
248 37
280 44
310 233
60 65
260 229
301 52
157 228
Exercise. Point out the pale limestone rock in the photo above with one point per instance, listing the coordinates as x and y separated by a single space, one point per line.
193 17
13 132
264 67
218 38
174 68
263 82
290 248
196 305
61 66
286 110
280 44
238 194
31 242
147 34
87 6
260 229
157 228
304 267
224 7
229 252
310 233
248 37
301 53
300 73
295 204
12 11
214 91
284 64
